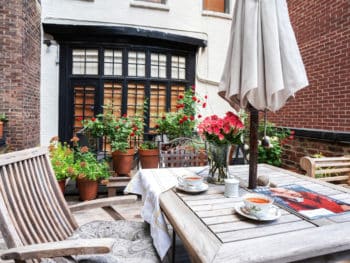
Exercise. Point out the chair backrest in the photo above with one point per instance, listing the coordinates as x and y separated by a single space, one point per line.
32 207
182 152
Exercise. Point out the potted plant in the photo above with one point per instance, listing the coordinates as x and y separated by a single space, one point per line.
3 119
182 122
126 129
88 171
62 160
149 155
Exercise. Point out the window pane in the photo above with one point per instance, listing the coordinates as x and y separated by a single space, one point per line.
216 5
132 70
136 97
85 61
175 92
78 68
178 67
113 96
157 103
154 71
162 72
84 101
136 63
91 68
113 62
108 69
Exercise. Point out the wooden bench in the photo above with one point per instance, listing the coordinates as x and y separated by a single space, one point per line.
328 169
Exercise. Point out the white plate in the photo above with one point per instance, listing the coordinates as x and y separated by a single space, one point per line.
273 214
193 190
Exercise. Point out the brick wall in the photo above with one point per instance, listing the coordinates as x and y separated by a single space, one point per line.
323 35
20 38
299 147
322 31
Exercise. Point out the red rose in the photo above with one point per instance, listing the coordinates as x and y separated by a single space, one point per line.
185 118
132 134
204 105
181 97
191 117
181 121
194 98
79 118
93 119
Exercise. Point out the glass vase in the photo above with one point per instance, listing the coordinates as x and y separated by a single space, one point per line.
218 155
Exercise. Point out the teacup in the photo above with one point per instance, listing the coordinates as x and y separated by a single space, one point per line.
257 204
190 180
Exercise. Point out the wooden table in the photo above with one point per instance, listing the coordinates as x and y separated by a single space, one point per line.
212 232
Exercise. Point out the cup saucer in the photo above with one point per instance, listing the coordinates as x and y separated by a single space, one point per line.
273 214
193 189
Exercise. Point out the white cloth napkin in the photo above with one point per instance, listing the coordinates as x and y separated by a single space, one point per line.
150 183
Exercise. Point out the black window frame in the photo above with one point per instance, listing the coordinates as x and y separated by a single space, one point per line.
66 110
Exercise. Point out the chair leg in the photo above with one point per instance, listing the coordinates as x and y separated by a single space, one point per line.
173 247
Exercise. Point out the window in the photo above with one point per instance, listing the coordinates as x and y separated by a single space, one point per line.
85 62
222 6
122 76
136 64
113 62
178 67
158 65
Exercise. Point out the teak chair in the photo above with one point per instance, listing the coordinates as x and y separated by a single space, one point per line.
182 152
37 224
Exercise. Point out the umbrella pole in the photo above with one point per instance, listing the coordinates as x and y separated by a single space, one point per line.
253 148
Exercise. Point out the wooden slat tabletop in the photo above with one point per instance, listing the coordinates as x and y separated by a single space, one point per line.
213 232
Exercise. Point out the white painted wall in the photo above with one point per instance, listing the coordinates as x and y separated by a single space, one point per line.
183 17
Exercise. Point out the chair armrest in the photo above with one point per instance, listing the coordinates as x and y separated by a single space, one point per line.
103 202
60 249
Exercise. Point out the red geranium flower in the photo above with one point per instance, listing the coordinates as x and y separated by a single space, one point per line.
79 118
204 105
132 134
199 116
185 118
194 98
181 97
191 117
206 96
125 115
93 119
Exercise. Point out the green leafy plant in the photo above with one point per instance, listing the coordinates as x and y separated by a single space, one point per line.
148 145
277 138
181 123
126 128
62 159
86 165
3 117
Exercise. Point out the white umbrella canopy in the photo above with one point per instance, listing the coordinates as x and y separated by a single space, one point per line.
263 67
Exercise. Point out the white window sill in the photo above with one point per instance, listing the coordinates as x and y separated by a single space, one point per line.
217 14
149 5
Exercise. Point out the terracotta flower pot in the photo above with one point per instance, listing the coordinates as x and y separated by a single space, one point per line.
149 158
122 161
1 130
87 189
62 185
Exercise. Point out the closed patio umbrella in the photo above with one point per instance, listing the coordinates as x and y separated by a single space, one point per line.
263 67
